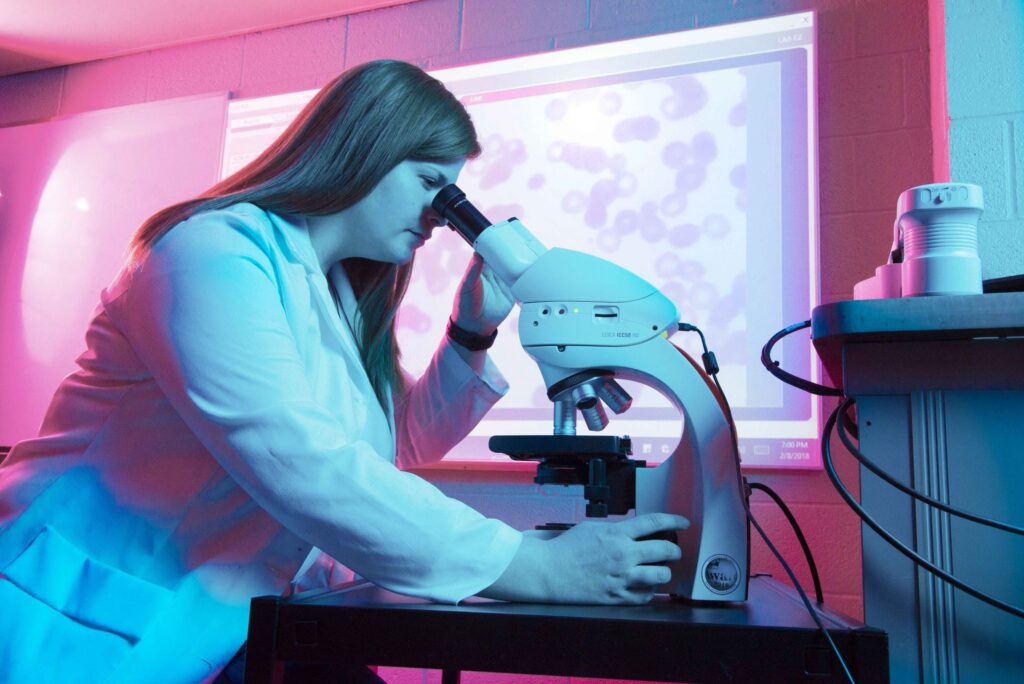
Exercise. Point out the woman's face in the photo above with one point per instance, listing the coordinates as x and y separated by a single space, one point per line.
396 218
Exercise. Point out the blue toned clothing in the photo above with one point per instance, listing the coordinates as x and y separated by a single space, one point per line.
220 430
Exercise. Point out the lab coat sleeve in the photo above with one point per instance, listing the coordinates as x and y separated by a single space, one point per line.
204 313
438 410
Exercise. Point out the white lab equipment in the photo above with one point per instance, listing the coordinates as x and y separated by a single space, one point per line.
587 323
935 245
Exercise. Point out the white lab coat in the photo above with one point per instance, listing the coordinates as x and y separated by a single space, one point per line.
219 428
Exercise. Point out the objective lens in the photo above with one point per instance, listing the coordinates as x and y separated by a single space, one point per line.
592 410
612 394
565 417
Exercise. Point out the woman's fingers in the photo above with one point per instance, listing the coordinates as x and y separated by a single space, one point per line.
658 551
653 523
593 562
646 577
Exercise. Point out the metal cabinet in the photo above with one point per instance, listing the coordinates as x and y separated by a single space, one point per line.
939 384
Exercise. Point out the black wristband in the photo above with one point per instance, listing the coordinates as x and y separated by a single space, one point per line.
470 340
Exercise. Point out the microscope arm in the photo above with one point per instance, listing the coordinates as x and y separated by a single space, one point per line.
586 322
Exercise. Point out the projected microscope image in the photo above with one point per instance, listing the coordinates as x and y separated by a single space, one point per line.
650 175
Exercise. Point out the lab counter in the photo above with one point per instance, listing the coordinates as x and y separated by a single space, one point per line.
770 637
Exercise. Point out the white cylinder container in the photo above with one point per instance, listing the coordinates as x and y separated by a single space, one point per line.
938 225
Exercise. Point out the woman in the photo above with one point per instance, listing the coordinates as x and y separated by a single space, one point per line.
240 406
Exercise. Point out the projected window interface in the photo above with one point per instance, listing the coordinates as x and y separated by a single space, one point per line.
687 158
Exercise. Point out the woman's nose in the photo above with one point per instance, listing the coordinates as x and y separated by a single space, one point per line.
433 219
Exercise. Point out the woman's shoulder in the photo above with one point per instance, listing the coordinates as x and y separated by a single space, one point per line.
244 216
239 227
210 244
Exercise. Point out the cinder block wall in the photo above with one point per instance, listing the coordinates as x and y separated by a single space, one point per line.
985 68
875 133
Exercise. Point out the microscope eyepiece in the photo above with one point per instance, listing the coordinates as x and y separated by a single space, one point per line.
461 215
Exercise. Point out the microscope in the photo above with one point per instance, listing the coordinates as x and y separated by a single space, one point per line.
588 323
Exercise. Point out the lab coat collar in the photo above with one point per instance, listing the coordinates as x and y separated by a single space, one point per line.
294 231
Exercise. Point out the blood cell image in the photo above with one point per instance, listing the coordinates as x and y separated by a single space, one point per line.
650 175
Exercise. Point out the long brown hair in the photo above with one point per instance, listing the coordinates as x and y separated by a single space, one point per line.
349 136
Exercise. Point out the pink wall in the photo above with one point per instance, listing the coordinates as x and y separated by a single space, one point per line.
875 129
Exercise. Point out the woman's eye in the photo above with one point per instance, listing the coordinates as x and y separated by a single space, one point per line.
430 182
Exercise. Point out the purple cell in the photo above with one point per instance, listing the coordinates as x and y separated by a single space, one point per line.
667 265
411 317
703 296
684 235
738 176
556 109
704 148
625 184
646 127
610 103
623 229
691 177
514 148
492 143
574 201
497 173
741 200
649 209
688 97
641 128
715 226
608 240
653 230
626 221
505 156
434 265
679 107
671 107
596 215
675 154
572 155
594 159
690 270
536 181
604 190
437 281
674 204
689 87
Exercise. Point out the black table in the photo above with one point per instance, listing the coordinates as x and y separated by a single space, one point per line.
771 637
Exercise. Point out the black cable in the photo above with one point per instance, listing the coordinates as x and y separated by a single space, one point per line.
849 424
711 367
826 454
789 378
873 467
799 535
803 595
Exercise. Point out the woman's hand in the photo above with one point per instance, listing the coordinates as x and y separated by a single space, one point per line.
592 563
483 300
